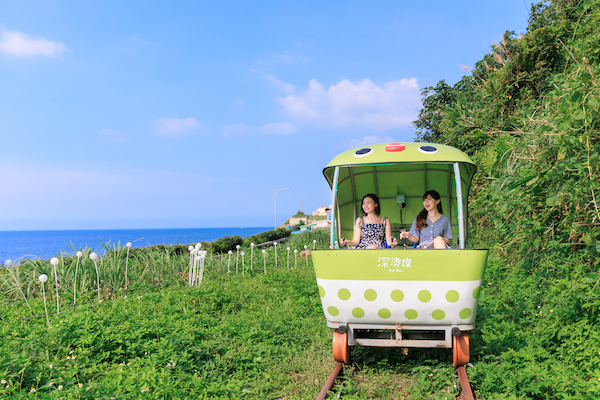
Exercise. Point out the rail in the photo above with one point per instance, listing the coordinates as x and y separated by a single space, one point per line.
465 387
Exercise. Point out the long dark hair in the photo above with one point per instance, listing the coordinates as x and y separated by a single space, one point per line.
375 199
422 217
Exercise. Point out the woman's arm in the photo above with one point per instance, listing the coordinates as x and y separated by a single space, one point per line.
356 239
391 241
412 238
410 235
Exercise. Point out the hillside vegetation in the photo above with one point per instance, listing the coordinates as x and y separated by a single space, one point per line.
528 115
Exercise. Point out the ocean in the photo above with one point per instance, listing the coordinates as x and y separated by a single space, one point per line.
15 245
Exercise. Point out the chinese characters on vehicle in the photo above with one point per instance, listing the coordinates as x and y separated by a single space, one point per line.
394 264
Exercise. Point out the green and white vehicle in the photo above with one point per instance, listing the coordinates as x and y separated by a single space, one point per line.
400 297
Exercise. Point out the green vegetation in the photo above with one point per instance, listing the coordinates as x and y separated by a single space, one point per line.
267 236
250 335
529 116
254 335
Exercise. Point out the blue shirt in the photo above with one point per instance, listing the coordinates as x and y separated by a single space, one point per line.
441 227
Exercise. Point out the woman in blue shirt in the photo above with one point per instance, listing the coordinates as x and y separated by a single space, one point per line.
431 229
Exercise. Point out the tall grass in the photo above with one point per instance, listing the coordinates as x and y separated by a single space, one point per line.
147 267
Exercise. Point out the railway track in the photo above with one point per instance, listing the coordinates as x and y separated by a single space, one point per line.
460 357
465 394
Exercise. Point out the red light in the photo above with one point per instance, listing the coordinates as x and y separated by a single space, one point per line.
394 147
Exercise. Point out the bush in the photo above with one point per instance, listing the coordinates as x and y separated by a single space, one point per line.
267 236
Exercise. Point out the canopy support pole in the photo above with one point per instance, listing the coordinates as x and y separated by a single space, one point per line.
353 195
460 206
334 187
375 182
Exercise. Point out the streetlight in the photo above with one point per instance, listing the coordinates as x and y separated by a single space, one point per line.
277 191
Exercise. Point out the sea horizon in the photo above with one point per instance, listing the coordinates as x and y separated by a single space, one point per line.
17 245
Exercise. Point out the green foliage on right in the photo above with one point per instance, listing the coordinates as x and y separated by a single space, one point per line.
529 116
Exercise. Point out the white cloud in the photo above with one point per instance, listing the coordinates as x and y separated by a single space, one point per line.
171 127
279 85
112 136
366 141
19 44
361 104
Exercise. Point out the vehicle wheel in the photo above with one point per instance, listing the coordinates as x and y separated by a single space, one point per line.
341 350
460 349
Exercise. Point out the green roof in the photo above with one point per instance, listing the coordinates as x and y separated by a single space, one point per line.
411 153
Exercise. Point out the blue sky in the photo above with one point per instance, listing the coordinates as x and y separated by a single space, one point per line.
147 114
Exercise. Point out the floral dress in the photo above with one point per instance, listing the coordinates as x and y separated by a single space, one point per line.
372 234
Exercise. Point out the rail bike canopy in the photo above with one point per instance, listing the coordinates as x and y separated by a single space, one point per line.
399 174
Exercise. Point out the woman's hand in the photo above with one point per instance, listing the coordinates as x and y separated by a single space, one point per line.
343 242
404 235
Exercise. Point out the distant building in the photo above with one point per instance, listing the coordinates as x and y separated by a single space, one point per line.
321 211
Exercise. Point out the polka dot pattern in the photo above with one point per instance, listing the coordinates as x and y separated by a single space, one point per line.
452 296
358 312
397 296
344 294
399 302
424 296
438 315
370 295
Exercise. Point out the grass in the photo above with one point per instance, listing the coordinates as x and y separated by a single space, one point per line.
251 336
257 336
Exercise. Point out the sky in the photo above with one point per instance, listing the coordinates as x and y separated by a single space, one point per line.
190 114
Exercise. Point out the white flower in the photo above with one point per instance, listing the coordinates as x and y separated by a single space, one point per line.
51 384
80 385
3 381
71 352
32 390
144 390
60 387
